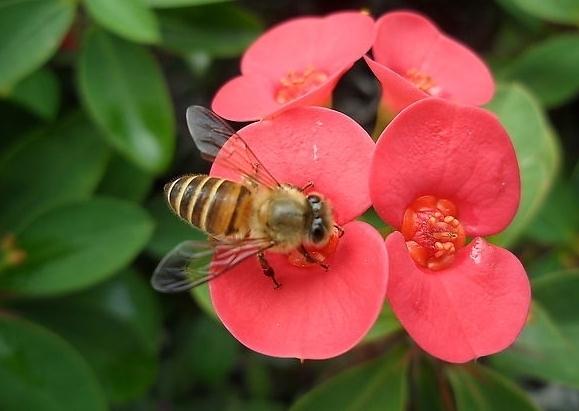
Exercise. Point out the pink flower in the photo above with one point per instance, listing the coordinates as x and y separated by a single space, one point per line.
296 63
315 314
414 60
442 172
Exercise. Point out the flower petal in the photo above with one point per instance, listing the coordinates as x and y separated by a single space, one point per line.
461 153
476 307
458 73
320 42
245 98
315 314
314 144
403 40
397 92
317 44
250 97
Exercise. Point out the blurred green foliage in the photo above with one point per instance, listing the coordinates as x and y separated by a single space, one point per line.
92 101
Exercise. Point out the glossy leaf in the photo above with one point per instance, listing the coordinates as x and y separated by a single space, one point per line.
558 11
549 69
220 30
126 96
120 341
39 93
170 230
50 168
548 348
429 391
551 261
208 351
30 32
377 385
537 153
374 220
181 3
75 246
558 222
385 325
125 180
477 388
131 19
204 354
40 371
525 19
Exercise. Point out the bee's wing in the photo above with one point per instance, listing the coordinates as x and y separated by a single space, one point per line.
210 132
190 264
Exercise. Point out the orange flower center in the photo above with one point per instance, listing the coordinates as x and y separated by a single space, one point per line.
320 255
422 80
432 232
297 83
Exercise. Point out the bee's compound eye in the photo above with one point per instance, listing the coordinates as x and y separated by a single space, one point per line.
317 233
314 199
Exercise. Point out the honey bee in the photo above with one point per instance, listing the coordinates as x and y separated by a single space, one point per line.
242 219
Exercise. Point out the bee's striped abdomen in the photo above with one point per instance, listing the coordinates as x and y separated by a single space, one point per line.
219 207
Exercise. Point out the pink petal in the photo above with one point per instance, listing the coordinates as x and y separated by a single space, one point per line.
476 307
251 97
315 314
461 153
307 43
403 40
320 42
245 98
314 144
397 92
458 72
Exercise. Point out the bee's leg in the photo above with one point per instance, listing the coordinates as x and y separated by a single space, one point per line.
267 270
310 259
309 185
340 230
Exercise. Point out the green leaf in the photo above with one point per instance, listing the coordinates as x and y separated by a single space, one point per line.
374 220
170 230
75 246
50 168
30 32
209 352
386 324
131 19
549 69
219 30
429 390
41 372
203 299
558 11
522 18
39 93
558 222
377 385
550 261
126 181
477 388
120 341
181 3
537 152
126 96
204 352
548 348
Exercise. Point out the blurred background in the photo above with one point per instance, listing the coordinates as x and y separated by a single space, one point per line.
92 102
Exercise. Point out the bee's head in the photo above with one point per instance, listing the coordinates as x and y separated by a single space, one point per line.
320 222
